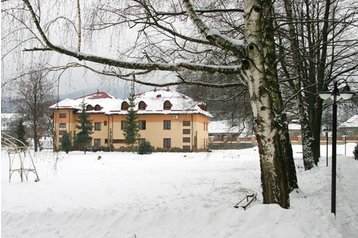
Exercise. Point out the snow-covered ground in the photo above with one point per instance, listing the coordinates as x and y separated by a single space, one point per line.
126 195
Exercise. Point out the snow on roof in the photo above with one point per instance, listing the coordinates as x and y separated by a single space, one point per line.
101 99
223 127
294 126
351 122
154 103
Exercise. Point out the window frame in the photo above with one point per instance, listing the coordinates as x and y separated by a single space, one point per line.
62 115
186 131
186 123
167 125
62 125
167 143
97 126
142 124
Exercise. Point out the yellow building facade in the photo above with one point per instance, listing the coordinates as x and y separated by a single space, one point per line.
167 119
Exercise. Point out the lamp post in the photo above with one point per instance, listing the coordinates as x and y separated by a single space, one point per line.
345 144
326 130
335 95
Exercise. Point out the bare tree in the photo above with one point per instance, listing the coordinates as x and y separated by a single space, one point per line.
180 36
318 45
35 96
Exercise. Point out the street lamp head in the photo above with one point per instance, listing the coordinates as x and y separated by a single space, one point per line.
325 95
326 129
346 93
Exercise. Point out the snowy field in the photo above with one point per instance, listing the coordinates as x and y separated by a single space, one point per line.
125 195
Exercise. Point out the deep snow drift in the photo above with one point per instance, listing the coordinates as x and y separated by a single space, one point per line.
172 195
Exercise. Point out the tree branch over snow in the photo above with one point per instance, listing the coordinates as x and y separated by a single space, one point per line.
214 35
175 67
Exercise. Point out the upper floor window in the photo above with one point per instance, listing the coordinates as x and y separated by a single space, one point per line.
89 108
97 126
166 124
142 125
123 125
62 115
186 131
142 105
124 106
186 123
62 125
167 105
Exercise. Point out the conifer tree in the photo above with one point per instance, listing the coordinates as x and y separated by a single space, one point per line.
83 137
66 142
131 129
20 132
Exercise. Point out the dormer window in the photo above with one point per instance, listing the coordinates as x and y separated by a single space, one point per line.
202 106
124 106
97 108
167 105
89 108
142 105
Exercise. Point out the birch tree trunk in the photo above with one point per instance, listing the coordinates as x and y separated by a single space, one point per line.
259 70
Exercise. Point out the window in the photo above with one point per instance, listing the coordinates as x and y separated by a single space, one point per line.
186 148
97 108
167 105
62 115
97 126
124 106
166 124
89 108
123 125
167 143
186 123
142 105
62 132
142 125
141 140
186 131
97 143
62 125
118 141
186 139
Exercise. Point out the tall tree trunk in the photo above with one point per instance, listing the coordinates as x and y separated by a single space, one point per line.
259 70
307 137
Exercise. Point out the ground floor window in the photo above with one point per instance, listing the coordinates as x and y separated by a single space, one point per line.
97 143
186 148
167 143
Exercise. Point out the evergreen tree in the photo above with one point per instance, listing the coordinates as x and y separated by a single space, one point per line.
131 129
355 152
83 137
20 132
66 142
